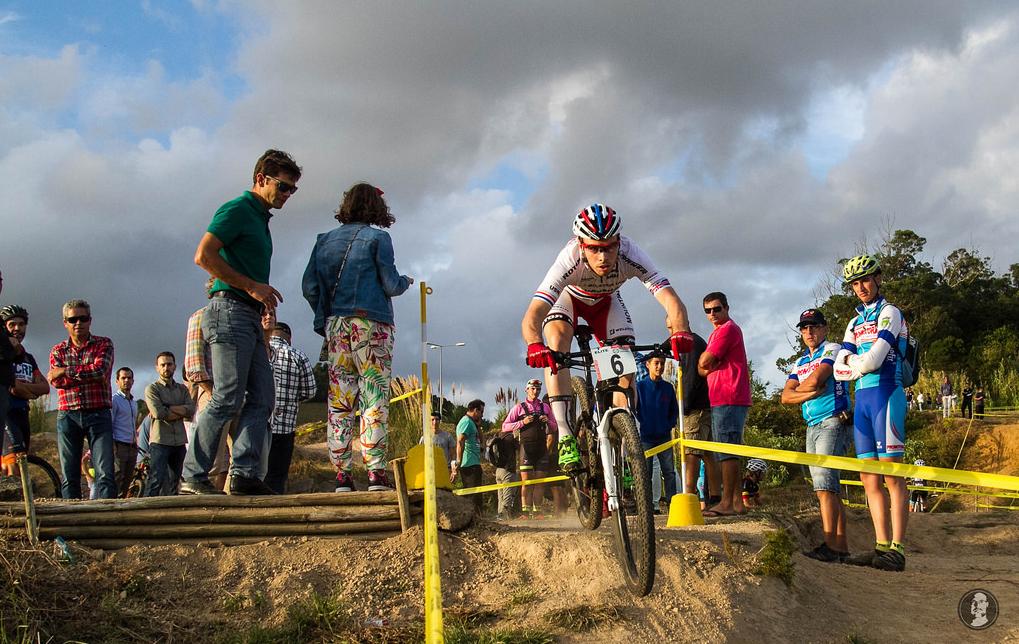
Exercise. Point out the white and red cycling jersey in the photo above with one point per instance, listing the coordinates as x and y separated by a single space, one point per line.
574 290
571 273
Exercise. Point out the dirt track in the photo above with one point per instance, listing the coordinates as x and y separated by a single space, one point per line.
515 578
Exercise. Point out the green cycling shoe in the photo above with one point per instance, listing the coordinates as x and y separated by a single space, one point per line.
569 455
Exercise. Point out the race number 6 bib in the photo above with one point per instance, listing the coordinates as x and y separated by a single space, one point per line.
613 362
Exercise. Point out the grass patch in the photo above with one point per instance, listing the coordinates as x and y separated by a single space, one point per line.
523 596
776 557
578 619
466 626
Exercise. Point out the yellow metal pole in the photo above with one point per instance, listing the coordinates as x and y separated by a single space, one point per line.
433 583
682 410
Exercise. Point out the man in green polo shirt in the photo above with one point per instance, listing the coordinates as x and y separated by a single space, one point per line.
236 250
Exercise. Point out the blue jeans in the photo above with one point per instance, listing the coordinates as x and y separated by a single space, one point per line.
72 428
667 461
165 463
242 382
727 423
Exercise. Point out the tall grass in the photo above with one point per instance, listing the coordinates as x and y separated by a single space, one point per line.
1002 388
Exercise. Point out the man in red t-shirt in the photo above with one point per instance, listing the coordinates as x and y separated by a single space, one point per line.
724 364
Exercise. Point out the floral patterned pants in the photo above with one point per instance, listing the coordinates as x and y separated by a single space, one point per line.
360 365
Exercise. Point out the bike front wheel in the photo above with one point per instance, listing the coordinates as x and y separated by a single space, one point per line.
633 521
587 483
45 482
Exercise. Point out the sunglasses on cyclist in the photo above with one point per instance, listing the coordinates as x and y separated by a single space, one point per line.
713 309
283 186
74 319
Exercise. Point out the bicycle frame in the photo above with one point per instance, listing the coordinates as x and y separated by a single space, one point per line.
602 400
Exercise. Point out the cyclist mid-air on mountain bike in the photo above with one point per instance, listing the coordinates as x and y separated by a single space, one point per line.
584 283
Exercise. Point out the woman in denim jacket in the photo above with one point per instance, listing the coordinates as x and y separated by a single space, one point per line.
350 281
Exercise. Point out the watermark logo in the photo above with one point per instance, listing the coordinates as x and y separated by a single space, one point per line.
978 609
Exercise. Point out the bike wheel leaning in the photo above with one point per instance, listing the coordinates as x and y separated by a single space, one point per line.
587 484
45 482
634 521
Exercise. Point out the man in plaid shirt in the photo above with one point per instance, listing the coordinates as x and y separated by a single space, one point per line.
295 383
80 369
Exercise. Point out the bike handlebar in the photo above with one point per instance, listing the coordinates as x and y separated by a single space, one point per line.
584 358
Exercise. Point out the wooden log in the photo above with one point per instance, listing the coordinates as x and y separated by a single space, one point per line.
204 516
401 492
178 531
116 544
209 501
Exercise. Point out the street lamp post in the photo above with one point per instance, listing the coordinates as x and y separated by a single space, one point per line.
440 347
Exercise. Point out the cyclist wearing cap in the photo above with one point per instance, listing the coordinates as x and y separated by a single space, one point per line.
584 282
29 384
874 341
824 404
534 426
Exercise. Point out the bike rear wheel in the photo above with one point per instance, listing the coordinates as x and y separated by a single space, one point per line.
633 522
45 482
587 483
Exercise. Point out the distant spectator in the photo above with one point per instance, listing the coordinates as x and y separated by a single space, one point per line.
946 398
442 439
751 492
169 405
80 370
237 250
125 414
824 403
658 412
919 401
295 383
978 402
909 399
697 424
967 401
28 384
724 364
350 282
467 464
7 346
532 423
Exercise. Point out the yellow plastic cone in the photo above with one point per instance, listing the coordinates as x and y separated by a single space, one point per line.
684 510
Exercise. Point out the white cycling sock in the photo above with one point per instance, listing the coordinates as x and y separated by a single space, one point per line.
559 410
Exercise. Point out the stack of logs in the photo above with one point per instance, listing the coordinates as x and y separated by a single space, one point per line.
226 520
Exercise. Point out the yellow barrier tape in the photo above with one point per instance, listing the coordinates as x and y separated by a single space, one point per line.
1012 414
658 449
852 505
940 490
503 486
998 507
358 412
961 477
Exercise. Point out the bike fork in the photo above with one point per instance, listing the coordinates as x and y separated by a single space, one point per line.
608 452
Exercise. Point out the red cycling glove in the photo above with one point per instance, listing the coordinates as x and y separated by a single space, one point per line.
539 356
682 342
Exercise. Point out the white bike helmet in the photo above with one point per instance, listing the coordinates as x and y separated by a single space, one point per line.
597 222
757 465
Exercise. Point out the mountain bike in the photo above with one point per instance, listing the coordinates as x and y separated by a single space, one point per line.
45 481
611 455
136 487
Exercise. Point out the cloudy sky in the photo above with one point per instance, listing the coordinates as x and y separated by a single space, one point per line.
747 146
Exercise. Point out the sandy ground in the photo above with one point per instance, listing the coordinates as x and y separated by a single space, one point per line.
544 580
515 577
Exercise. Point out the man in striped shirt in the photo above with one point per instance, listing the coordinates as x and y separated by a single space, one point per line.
295 383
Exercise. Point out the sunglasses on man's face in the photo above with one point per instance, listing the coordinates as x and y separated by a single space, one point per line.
283 186
713 309
74 319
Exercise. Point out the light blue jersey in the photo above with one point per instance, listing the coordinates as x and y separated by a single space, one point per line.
878 336
834 398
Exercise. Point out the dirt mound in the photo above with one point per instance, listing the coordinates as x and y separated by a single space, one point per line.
535 581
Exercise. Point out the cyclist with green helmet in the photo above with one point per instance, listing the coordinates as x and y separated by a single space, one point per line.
873 345
28 384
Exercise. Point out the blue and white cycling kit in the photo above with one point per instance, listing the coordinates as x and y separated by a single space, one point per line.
876 338
834 399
